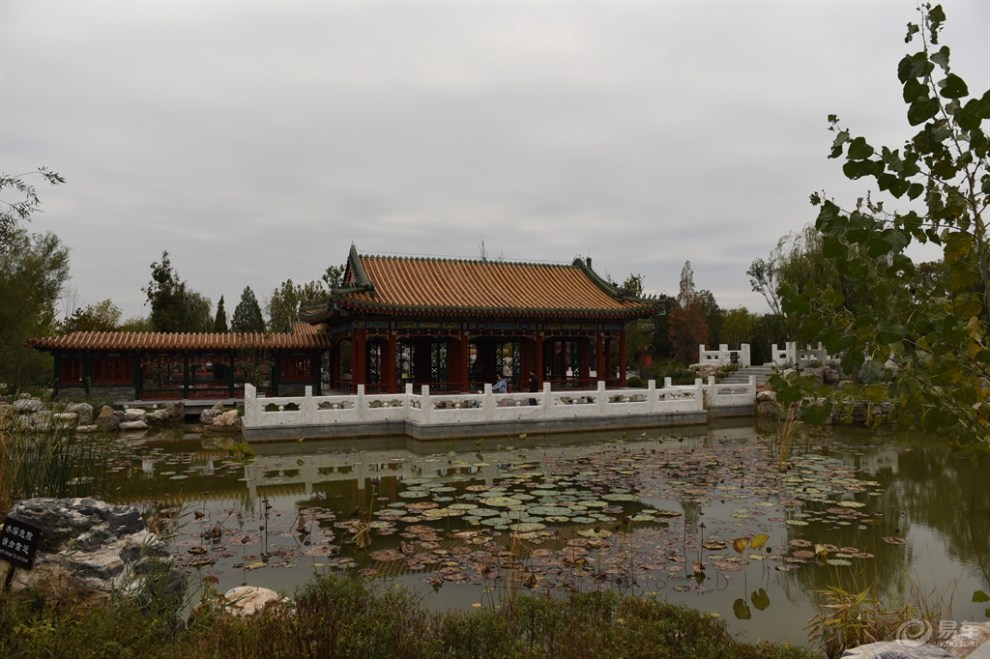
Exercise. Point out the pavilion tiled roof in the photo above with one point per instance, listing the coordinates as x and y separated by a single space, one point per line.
453 287
303 337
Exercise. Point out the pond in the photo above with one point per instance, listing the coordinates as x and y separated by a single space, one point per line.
695 516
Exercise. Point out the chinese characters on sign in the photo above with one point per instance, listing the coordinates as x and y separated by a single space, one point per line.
19 542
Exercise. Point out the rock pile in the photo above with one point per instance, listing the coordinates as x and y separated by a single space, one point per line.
93 549
33 414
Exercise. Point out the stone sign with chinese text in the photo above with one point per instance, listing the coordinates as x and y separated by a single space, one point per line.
19 542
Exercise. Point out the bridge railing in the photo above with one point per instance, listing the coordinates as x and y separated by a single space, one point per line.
426 408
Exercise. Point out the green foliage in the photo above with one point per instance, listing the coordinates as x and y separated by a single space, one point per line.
12 213
220 322
334 276
289 299
175 308
103 316
247 314
713 318
738 326
54 463
677 371
198 314
687 325
166 296
929 322
33 271
341 617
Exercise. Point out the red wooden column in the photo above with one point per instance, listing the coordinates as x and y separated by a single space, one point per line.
388 363
359 358
584 358
423 362
539 367
458 368
600 353
622 358
334 368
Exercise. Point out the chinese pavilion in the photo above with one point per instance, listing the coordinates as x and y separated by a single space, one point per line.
455 324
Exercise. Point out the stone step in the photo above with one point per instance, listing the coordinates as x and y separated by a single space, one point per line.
761 373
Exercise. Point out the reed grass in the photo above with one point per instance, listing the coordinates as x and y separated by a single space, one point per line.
337 616
54 462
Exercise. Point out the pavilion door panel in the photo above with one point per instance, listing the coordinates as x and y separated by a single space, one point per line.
162 377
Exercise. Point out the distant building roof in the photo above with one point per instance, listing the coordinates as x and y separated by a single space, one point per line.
302 337
404 286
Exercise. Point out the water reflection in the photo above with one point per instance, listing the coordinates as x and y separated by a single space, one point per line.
699 516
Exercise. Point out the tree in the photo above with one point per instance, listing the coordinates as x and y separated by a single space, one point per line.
796 265
103 316
33 270
220 322
334 276
738 326
14 212
933 324
166 296
198 313
687 319
713 317
247 314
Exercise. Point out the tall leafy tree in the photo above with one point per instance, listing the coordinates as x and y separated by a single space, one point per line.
198 313
104 316
713 317
333 276
687 324
247 314
933 325
738 326
166 296
220 322
33 270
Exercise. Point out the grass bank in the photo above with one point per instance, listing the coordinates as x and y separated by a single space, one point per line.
342 617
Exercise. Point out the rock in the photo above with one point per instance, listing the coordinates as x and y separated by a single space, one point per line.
229 419
206 417
65 419
133 425
895 650
158 417
246 601
41 420
83 410
92 549
28 405
107 419
135 414
87 430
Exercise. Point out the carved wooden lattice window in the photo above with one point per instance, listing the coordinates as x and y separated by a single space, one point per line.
113 370
296 368
72 370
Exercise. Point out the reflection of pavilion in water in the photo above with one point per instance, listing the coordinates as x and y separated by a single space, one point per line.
873 461
302 473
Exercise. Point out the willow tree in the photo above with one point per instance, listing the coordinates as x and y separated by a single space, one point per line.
929 324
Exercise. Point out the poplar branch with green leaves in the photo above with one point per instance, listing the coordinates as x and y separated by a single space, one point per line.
924 322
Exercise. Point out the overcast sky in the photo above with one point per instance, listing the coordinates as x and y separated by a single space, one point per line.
255 141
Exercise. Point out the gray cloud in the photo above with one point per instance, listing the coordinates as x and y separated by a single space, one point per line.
256 141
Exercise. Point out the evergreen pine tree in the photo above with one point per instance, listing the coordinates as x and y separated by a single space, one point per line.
247 315
220 322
